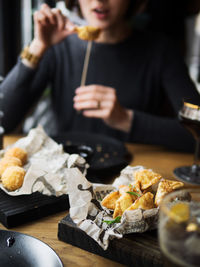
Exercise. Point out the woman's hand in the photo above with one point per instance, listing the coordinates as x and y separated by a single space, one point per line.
50 27
98 101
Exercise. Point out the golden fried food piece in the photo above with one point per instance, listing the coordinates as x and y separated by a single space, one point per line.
134 193
149 189
87 33
13 177
145 202
109 201
123 189
7 162
166 186
18 153
137 187
118 211
122 204
146 178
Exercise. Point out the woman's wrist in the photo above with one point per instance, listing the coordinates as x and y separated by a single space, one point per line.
37 48
128 122
125 122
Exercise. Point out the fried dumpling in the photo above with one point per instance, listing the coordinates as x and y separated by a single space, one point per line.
123 189
87 33
146 178
137 186
18 153
129 189
7 162
122 204
109 201
145 202
13 177
164 187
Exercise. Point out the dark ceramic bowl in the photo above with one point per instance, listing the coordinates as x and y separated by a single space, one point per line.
84 151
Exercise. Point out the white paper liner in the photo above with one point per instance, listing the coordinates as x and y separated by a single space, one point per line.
87 212
47 166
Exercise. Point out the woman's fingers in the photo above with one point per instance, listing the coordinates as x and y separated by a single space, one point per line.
95 103
46 10
52 16
91 104
90 101
60 18
95 93
39 18
50 26
89 96
95 108
94 97
45 15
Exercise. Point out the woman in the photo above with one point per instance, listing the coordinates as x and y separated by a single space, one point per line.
135 83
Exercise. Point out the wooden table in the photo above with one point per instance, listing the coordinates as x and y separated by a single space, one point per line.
155 157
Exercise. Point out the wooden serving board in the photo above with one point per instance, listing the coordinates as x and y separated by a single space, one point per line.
136 250
17 210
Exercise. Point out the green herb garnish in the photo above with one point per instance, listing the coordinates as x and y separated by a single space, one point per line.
116 220
133 193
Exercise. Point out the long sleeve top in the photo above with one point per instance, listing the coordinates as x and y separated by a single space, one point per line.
148 74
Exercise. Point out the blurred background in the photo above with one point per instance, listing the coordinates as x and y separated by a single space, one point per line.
180 20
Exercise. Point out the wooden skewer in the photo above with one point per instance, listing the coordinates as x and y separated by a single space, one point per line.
86 63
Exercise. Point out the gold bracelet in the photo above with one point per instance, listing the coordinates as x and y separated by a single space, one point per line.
25 54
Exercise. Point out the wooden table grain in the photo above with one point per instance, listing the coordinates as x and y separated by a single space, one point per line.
155 157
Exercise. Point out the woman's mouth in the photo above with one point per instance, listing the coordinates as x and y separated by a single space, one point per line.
101 13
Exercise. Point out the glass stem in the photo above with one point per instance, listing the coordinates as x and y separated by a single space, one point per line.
196 154
196 165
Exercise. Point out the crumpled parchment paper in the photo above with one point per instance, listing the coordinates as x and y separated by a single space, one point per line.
88 214
47 166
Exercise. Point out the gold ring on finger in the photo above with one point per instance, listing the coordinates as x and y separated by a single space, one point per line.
98 104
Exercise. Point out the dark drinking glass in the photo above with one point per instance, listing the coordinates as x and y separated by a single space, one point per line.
189 117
